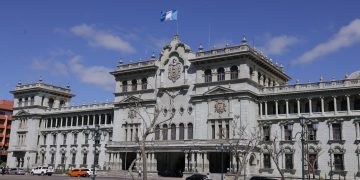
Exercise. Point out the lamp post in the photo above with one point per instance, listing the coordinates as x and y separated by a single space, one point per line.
95 134
303 123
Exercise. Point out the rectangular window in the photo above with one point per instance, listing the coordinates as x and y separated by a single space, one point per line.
339 162
86 138
311 133
220 132
85 158
63 122
79 121
313 164
54 141
45 139
74 121
53 124
267 161
73 158
52 159
64 140
266 131
227 131
68 121
289 161
213 131
91 120
75 138
62 158
85 120
288 133
336 131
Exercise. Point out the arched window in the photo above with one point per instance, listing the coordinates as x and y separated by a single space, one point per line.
165 132
173 132
134 85
234 72
144 84
124 86
181 131
157 132
190 131
221 74
208 75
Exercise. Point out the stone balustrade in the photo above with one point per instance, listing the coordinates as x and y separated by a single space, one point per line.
312 86
42 85
136 65
84 107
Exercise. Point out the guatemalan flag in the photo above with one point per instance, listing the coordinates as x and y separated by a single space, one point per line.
168 15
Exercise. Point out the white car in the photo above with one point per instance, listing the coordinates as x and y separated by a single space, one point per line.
42 170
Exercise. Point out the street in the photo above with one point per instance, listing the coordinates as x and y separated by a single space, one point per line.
30 177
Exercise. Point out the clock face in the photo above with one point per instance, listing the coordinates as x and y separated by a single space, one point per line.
174 70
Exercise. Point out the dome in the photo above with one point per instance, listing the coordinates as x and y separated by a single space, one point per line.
354 75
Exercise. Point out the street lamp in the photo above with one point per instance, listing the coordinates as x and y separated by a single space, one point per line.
95 134
302 121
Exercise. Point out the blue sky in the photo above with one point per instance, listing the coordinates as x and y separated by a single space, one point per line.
78 42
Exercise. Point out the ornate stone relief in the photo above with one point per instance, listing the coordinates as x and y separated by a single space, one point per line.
174 70
220 106
131 113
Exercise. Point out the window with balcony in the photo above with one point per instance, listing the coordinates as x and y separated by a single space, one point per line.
336 127
339 162
266 133
173 132
208 75
234 72
144 84
157 132
181 131
54 141
52 159
165 132
289 161
288 132
73 158
311 132
221 74
134 85
86 138
44 139
124 86
75 138
85 158
267 161
64 139
312 162
63 159
190 131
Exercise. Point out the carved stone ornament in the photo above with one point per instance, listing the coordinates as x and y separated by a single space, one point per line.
220 106
174 69
132 114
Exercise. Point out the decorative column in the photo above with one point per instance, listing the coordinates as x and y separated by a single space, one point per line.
266 113
298 106
261 110
322 105
287 107
187 165
310 107
335 105
348 103
192 165
276 108
206 163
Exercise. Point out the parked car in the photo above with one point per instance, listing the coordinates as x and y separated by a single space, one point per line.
42 170
261 178
80 172
17 171
197 177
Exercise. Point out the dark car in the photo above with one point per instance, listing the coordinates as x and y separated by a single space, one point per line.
197 177
261 178
17 171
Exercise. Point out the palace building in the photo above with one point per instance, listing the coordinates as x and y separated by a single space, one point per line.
204 93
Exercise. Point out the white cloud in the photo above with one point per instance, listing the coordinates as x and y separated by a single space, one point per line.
98 38
96 75
279 44
72 66
347 36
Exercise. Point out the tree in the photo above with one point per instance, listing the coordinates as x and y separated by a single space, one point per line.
150 117
244 142
275 152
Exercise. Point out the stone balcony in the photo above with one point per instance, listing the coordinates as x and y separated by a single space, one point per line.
42 85
84 107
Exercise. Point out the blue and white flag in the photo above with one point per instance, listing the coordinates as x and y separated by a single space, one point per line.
168 15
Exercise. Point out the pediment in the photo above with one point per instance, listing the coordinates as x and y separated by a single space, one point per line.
131 99
22 113
218 90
